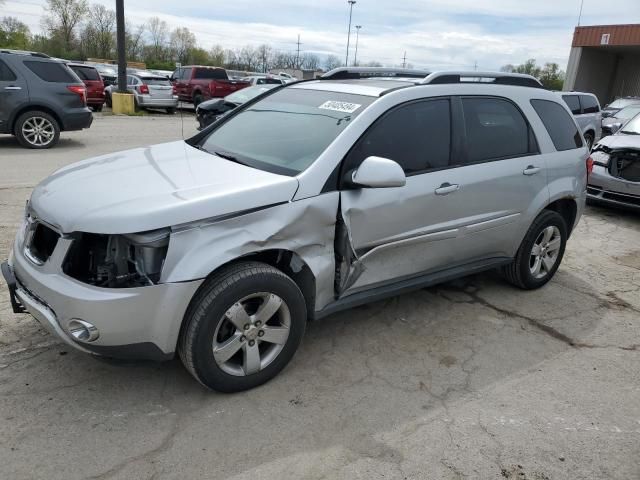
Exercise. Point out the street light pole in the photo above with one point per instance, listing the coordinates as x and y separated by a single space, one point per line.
120 39
351 3
355 58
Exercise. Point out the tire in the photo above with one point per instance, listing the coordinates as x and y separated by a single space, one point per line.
588 138
37 130
97 108
171 111
522 271
216 318
197 100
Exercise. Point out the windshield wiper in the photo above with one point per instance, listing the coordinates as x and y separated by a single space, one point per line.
231 157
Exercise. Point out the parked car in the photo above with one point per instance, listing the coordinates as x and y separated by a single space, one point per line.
618 104
39 98
314 198
108 73
611 125
92 80
195 84
586 110
288 78
162 73
150 91
616 173
264 80
209 111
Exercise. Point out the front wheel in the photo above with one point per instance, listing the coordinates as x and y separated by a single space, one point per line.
540 253
242 327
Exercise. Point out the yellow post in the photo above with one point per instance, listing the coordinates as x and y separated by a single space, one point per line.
123 104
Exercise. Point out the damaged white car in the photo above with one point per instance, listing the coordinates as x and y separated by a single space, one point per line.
316 197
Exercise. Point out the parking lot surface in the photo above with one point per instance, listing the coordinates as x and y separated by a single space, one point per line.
471 379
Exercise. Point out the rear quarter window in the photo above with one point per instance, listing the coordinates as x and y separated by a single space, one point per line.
6 75
589 104
559 124
51 71
86 73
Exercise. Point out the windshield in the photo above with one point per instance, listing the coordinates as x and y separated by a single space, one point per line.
623 102
632 127
628 113
246 94
286 131
156 81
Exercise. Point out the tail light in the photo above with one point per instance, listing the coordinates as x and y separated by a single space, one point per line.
80 91
589 166
175 90
144 88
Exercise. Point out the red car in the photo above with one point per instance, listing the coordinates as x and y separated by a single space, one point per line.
92 80
195 84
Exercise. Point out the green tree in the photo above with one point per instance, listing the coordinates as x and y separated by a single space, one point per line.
181 43
62 19
550 75
14 33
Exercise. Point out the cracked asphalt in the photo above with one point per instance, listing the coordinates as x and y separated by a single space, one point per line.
471 379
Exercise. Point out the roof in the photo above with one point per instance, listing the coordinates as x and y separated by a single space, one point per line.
367 87
607 36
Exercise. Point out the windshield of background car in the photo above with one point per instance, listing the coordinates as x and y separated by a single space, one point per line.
286 131
246 94
156 81
632 127
623 102
628 113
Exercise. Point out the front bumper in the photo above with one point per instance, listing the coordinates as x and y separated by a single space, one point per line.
605 188
141 323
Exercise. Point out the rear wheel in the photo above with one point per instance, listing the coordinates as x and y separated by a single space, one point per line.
171 111
242 327
37 130
540 253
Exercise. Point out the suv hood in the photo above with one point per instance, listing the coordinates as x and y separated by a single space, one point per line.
621 141
153 187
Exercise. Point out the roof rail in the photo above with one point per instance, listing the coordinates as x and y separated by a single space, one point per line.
500 78
355 73
24 52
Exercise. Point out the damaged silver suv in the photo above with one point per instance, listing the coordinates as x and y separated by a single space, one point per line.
316 197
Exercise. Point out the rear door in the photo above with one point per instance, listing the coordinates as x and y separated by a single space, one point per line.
13 93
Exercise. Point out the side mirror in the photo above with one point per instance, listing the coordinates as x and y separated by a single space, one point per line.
378 172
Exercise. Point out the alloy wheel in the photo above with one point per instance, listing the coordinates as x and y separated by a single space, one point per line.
545 252
251 334
38 131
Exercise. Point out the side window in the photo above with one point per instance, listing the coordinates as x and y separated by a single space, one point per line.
495 129
416 135
131 80
6 75
559 124
589 104
52 71
573 102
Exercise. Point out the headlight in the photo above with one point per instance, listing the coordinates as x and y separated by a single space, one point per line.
118 261
600 157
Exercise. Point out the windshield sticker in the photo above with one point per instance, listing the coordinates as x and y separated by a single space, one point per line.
340 106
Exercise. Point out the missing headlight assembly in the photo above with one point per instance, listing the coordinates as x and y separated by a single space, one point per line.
117 261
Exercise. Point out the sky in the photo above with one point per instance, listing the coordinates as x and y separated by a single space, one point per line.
435 34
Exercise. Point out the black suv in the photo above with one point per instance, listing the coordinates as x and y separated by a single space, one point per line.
39 97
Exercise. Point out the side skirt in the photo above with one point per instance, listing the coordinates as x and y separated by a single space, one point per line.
410 284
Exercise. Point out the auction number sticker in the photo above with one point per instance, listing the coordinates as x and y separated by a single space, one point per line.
340 106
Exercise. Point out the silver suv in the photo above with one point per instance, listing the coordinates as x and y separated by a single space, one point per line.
316 197
586 109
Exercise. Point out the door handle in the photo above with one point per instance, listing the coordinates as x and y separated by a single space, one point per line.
447 188
531 170
13 88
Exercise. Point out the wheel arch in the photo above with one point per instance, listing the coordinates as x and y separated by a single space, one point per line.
35 107
568 208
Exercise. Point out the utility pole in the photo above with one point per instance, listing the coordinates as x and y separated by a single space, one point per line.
355 58
298 54
475 66
404 60
351 4
122 60
580 14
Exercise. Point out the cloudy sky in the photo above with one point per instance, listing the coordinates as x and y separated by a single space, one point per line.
434 33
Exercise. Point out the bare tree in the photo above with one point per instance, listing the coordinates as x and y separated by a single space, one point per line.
158 32
265 55
249 58
182 40
310 61
134 46
332 62
62 18
98 36
217 56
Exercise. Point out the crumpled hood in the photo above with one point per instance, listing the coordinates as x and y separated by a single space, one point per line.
621 141
153 187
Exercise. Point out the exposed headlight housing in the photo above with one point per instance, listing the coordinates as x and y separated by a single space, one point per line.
118 261
600 155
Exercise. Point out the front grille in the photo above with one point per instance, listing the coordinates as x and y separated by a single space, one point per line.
593 190
628 199
41 241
